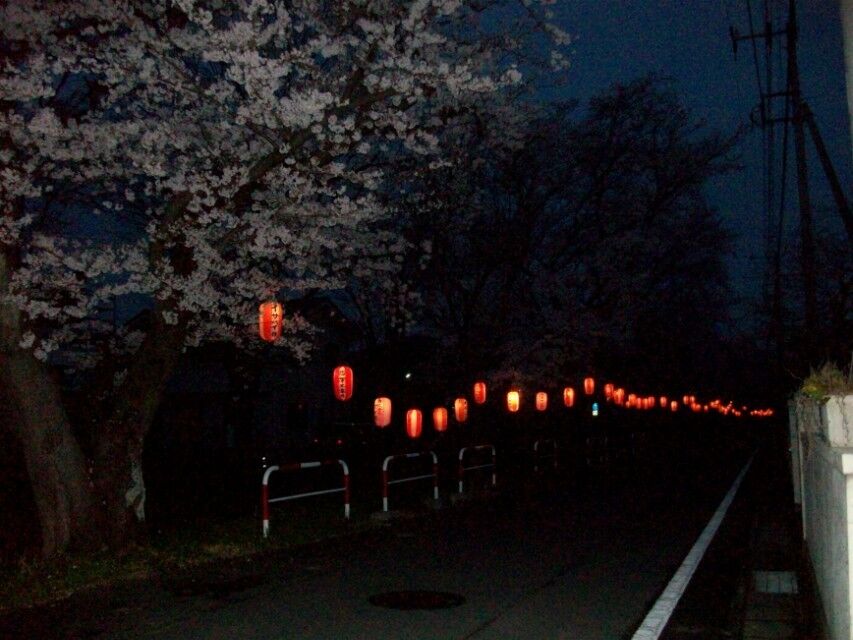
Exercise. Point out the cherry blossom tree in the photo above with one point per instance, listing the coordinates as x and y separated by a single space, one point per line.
202 156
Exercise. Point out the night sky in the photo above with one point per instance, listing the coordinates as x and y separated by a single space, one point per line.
688 40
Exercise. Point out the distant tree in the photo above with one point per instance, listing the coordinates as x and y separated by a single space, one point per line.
200 156
564 239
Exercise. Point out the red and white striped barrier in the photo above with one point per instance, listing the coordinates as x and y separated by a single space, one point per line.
463 469
537 457
296 466
386 482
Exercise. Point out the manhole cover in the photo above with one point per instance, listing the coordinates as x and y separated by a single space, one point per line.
417 600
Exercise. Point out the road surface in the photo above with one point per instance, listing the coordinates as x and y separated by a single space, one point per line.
580 555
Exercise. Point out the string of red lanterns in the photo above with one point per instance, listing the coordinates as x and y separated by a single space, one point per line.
271 322
343 383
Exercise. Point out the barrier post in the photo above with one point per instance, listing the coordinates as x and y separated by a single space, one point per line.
537 457
463 468
386 482
265 500
296 466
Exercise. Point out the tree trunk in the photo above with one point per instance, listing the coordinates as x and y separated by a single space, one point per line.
120 441
55 463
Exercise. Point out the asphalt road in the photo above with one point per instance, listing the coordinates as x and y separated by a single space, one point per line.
580 555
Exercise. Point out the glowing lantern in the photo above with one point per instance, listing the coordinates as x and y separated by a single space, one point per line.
541 401
270 320
382 412
663 402
608 391
439 419
588 386
342 382
513 401
569 397
460 409
414 423
632 399
673 406
619 396
686 399
479 392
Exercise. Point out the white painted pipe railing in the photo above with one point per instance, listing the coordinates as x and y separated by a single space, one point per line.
463 469
386 482
296 466
537 456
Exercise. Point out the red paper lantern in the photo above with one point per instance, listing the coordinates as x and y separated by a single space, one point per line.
569 397
270 320
608 391
663 402
382 412
414 423
632 399
460 409
479 392
673 406
619 396
439 419
342 382
588 386
513 401
541 401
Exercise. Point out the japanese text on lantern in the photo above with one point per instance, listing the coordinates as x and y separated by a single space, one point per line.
342 381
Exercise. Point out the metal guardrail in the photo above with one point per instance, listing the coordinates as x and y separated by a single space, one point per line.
537 457
463 469
296 466
386 482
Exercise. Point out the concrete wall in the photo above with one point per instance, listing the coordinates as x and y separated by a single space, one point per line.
825 462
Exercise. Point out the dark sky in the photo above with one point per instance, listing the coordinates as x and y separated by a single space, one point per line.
688 40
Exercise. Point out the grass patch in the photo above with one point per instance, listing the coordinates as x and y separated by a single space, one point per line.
173 552
828 380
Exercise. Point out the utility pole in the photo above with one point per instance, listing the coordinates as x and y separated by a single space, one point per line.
763 116
846 7
807 262
799 116
831 175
